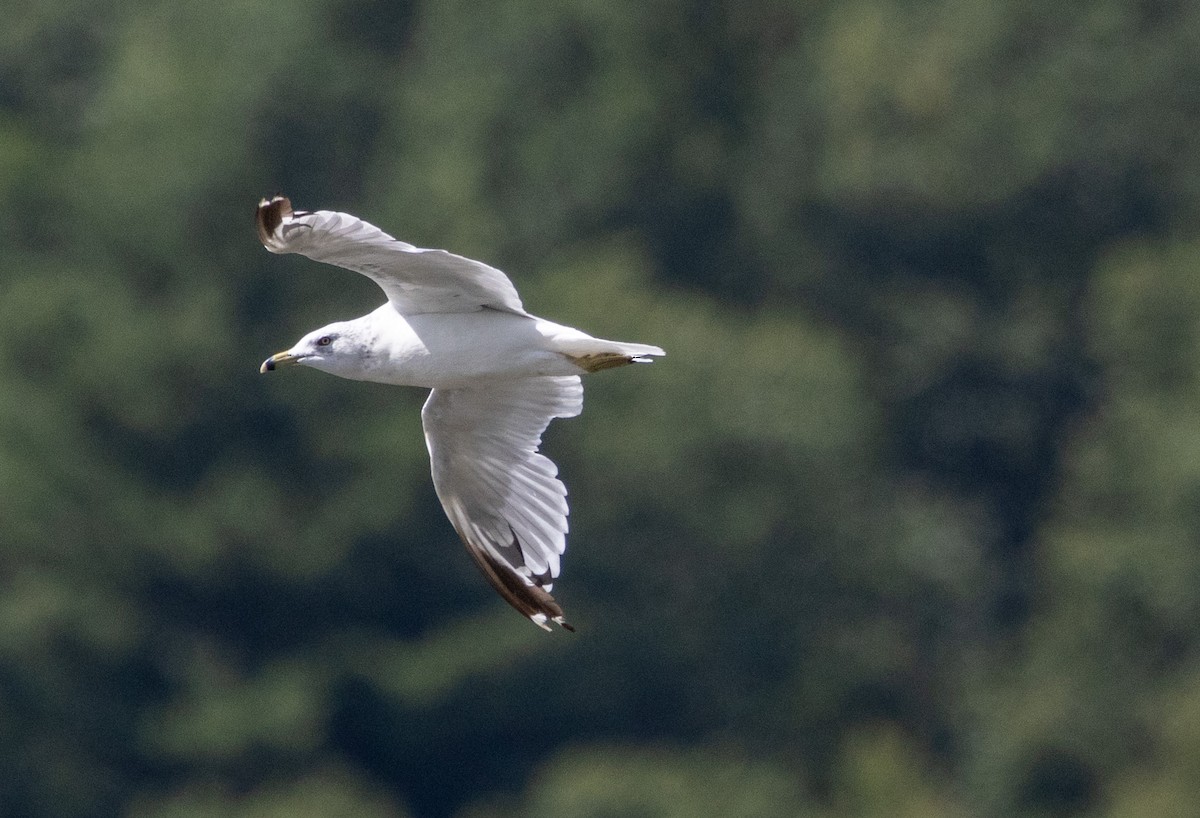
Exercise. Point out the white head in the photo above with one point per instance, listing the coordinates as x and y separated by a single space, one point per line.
343 348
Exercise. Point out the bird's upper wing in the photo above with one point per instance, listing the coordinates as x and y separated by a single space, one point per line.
502 496
415 280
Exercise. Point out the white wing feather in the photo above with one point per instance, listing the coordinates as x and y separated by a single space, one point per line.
415 280
503 496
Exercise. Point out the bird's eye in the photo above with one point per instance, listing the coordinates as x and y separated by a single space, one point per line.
324 340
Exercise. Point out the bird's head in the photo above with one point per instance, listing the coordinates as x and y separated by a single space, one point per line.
337 349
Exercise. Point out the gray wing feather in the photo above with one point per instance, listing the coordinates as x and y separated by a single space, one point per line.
500 493
415 280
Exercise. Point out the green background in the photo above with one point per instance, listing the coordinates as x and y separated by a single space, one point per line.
906 524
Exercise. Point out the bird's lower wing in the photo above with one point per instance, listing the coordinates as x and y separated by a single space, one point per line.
502 496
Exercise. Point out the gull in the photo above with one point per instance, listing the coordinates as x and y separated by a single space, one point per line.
497 374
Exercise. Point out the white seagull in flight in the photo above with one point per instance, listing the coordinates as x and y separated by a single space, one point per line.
498 376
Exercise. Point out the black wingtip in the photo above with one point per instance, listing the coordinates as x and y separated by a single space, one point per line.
271 213
530 600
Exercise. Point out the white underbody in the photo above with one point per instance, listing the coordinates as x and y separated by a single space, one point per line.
449 350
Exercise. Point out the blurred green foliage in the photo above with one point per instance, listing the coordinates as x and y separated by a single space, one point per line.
904 525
